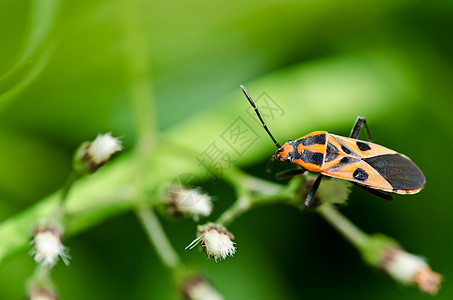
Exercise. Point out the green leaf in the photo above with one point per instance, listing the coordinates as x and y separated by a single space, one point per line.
36 52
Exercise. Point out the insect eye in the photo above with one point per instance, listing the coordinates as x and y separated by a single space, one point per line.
289 157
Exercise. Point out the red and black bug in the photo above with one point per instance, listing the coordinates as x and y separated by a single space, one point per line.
370 166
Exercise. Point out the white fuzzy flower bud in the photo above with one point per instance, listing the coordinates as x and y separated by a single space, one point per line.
407 268
47 246
92 155
190 202
215 240
103 147
198 288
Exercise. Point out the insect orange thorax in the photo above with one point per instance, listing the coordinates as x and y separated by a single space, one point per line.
307 151
286 152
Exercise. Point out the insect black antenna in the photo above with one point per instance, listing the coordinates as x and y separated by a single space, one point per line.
259 116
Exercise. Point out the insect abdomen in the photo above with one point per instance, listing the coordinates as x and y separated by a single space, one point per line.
371 165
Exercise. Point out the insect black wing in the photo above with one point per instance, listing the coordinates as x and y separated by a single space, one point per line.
400 172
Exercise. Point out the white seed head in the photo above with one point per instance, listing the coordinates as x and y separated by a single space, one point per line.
191 202
411 269
199 288
218 244
103 147
215 240
47 247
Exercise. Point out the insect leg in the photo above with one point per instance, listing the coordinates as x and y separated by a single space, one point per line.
358 126
270 164
383 195
313 190
290 173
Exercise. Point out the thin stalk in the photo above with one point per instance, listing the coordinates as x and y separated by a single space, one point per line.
142 100
252 191
60 212
40 279
242 181
73 176
345 227
138 53
41 274
157 237
241 205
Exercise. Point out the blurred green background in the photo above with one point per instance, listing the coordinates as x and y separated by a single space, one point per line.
65 75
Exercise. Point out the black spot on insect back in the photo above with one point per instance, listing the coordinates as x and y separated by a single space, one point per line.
314 139
360 174
345 149
344 160
331 152
315 158
363 146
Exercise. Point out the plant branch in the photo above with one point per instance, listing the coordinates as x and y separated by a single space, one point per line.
142 100
241 205
137 52
252 191
157 237
243 181
73 176
345 227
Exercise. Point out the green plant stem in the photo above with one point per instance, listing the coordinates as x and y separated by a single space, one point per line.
157 237
41 274
243 181
73 176
40 279
241 205
137 52
59 214
142 100
252 191
345 227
